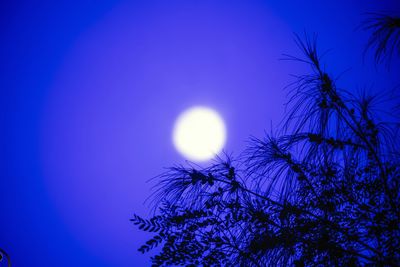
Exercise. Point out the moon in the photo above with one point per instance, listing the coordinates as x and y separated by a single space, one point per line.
199 133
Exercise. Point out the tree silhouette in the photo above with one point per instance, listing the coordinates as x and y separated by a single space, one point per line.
324 190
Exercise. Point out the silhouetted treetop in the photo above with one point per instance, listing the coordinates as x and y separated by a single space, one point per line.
323 191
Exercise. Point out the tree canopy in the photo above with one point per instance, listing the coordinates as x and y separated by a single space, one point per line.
323 190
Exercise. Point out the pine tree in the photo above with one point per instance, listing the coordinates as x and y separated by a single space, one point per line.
323 191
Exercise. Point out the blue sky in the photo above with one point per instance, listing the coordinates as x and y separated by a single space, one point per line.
90 91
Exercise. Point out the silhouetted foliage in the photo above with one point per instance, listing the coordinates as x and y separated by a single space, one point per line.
324 191
5 257
385 37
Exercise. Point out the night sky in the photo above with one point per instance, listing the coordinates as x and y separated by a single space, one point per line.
90 90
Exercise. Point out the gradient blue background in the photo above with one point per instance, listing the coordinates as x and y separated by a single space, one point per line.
89 91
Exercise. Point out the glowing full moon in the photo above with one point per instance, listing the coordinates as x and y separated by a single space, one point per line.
199 133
